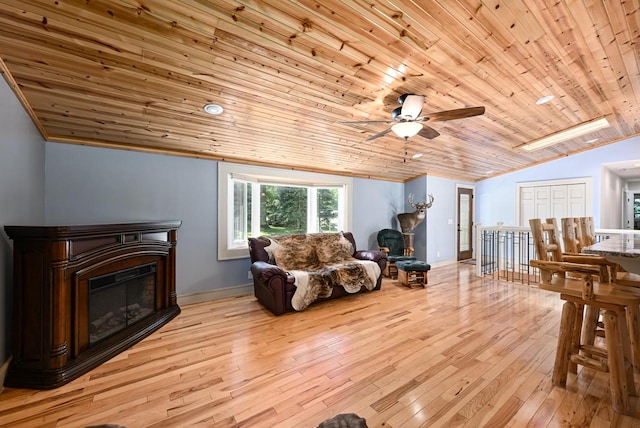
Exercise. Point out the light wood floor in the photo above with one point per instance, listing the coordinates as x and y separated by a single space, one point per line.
462 352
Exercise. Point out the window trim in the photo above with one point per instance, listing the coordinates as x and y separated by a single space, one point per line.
267 175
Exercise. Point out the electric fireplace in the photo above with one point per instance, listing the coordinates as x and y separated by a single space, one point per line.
83 294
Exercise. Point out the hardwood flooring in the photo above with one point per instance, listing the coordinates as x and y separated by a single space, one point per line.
465 351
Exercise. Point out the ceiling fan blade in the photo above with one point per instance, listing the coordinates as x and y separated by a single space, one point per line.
428 132
412 106
361 122
379 134
460 113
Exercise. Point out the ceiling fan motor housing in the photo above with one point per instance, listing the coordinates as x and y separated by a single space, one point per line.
395 114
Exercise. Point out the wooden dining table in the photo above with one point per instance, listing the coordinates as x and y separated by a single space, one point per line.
621 248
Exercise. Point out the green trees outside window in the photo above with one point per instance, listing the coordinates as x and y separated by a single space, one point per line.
283 209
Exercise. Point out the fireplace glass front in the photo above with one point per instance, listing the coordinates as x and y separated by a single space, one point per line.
120 299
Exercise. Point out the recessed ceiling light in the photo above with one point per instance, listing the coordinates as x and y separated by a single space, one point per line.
591 141
544 99
213 109
417 155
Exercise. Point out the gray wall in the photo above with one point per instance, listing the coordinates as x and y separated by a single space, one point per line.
376 204
418 187
95 185
22 159
435 238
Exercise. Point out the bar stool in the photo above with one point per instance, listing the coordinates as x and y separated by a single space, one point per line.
571 234
615 300
580 233
576 234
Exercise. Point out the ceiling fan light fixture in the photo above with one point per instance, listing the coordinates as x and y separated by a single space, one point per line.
566 135
406 129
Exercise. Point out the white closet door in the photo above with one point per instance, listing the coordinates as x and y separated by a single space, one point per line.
577 200
561 198
542 201
558 201
527 205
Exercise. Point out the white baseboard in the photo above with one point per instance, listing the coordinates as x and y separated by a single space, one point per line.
442 263
221 293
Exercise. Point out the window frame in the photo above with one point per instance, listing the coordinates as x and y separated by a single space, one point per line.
266 175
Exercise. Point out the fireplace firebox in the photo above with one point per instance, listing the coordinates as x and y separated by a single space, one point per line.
83 294
120 299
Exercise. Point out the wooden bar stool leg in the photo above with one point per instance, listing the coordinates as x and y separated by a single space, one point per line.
633 323
561 365
627 351
590 324
615 357
575 337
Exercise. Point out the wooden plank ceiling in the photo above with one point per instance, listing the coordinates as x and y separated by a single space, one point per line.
136 75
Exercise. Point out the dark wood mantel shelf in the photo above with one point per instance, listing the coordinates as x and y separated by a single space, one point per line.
53 266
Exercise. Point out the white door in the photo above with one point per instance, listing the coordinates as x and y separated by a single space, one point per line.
561 198
558 201
542 201
527 205
577 200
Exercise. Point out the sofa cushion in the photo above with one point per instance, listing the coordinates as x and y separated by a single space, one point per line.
332 248
258 252
293 252
310 251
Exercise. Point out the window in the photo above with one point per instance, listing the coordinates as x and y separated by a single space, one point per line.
256 201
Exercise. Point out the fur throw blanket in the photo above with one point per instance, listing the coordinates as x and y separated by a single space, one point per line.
319 262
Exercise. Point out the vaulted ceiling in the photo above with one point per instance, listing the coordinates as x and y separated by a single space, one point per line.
136 74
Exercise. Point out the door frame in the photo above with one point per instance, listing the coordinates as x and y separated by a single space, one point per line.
457 221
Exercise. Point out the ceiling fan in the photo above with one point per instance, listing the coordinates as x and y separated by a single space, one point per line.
407 121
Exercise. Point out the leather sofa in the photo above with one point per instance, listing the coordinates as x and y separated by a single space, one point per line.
274 287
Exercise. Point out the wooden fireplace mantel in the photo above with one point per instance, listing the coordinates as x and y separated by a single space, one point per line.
52 268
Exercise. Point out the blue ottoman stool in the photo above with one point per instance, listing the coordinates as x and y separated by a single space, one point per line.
413 272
